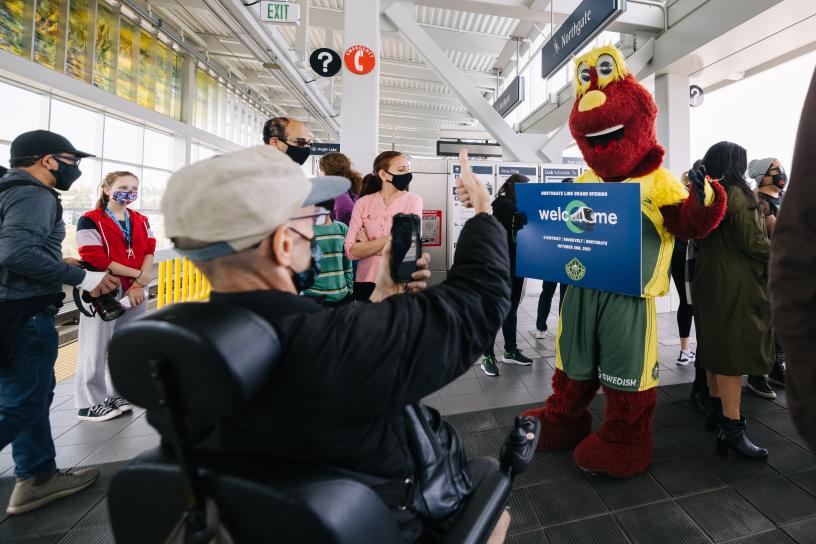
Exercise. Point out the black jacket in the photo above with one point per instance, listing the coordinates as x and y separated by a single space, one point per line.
505 211
347 373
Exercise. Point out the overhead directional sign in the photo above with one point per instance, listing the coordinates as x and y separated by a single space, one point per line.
319 148
280 12
583 24
512 96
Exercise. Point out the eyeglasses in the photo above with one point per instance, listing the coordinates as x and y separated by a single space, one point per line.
68 159
779 170
299 142
321 217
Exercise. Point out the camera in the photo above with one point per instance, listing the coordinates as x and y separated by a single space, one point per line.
105 306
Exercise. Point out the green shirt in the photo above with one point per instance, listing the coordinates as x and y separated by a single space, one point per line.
336 279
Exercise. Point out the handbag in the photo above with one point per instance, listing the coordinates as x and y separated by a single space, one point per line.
442 481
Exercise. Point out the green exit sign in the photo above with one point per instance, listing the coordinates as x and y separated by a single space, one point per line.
280 12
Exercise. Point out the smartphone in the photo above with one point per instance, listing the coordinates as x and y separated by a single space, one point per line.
406 246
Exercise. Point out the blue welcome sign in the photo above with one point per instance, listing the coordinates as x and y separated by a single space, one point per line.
583 234
583 24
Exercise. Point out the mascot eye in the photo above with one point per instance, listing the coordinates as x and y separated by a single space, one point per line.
583 73
605 65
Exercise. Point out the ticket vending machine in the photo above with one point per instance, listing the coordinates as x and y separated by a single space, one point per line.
457 213
431 183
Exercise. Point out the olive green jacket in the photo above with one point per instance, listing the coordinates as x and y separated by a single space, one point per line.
730 295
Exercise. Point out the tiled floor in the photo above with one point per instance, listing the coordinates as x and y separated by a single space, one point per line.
83 443
521 385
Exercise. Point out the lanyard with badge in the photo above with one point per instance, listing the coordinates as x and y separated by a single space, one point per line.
126 231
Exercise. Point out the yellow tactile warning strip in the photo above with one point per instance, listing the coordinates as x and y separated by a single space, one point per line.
66 361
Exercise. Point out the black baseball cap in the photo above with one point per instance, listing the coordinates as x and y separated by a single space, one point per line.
38 143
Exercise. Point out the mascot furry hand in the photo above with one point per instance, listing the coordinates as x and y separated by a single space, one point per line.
607 339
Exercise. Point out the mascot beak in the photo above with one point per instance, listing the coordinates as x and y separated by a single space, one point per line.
592 100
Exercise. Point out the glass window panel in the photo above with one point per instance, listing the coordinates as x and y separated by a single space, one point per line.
77 63
146 89
228 116
46 32
104 47
152 186
212 104
125 77
163 74
85 191
156 221
12 14
175 85
222 110
158 149
77 124
19 111
5 153
122 140
201 99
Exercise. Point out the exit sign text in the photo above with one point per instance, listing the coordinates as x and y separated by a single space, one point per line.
280 12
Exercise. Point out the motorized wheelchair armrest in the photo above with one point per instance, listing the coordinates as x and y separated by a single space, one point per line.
219 357
478 517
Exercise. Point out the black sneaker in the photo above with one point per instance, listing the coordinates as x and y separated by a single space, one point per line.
759 386
118 403
489 365
777 375
516 357
100 412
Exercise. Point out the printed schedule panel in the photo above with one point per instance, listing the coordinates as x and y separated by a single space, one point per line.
583 234
552 174
507 170
457 213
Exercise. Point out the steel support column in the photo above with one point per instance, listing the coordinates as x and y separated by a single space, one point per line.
360 100
513 145
673 121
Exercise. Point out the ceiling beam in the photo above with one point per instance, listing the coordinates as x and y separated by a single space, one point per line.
422 72
401 111
448 39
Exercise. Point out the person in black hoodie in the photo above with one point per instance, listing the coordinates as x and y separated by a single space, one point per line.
504 209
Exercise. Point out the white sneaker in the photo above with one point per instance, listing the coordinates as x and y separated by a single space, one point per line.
686 357
540 335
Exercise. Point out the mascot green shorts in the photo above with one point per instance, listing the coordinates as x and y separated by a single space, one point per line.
609 336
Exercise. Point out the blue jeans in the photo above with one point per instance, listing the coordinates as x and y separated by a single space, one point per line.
26 390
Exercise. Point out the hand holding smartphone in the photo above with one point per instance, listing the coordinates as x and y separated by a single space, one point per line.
406 246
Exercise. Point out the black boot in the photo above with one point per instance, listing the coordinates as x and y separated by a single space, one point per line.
714 414
699 397
732 437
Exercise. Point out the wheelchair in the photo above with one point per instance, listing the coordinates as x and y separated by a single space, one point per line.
207 361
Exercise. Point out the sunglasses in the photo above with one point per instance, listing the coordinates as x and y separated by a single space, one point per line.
299 142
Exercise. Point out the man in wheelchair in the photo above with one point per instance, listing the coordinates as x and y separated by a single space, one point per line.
348 386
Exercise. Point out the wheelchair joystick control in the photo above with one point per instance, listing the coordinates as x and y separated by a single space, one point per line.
520 446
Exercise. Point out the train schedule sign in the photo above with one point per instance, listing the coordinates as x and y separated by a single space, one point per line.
582 234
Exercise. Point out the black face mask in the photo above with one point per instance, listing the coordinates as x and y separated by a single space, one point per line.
66 174
298 154
401 181
780 180
306 278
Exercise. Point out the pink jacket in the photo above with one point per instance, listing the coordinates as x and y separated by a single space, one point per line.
370 212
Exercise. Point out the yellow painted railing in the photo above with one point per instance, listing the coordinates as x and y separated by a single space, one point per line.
181 281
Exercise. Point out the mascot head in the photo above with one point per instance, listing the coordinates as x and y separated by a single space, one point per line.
613 119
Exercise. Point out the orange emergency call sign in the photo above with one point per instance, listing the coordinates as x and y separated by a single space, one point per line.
359 59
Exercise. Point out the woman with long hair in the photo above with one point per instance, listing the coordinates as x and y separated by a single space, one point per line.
505 210
385 194
114 238
337 164
731 300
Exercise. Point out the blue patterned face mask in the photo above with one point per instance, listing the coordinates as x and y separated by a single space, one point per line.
124 197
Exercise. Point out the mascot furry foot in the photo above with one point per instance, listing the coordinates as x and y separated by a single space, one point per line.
564 418
622 447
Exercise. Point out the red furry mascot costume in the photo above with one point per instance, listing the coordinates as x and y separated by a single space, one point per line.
608 339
